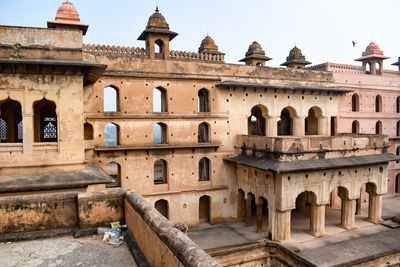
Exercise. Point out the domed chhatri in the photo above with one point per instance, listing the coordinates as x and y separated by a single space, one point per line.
296 59
68 17
68 12
372 59
255 55
208 45
295 51
372 49
157 24
157 20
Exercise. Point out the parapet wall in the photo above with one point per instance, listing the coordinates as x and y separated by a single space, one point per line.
160 241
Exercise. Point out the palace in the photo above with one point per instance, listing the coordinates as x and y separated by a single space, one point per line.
200 139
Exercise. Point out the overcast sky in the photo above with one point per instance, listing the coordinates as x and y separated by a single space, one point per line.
322 29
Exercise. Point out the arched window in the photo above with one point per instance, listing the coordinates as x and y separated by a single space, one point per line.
203 101
88 131
311 122
378 103
114 170
397 152
45 121
355 128
111 135
256 122
204 169
160 172
160 100
10 121
398 104
203 135
397 184
355 102
285 122
159 133
159 49
111 99
368 68
398 128
378 127
162 207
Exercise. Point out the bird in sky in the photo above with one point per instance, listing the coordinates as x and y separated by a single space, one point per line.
354 43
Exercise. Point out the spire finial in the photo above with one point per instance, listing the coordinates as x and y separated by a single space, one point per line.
157 11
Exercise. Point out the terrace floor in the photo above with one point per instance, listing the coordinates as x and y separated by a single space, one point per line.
65 251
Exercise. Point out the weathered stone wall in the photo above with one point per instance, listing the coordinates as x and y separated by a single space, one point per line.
100 208
161 243
38 212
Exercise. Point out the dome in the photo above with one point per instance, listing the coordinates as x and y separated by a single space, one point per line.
67 12
208 44
157 20
295 51
254 47
372 49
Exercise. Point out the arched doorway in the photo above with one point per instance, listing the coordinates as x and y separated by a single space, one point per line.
160 100
204 209
203 101
311 122
256 122
162 207
241 206
355 100
301 216
111 134
285 121
114 170
10 122
110 99
87 131
355 127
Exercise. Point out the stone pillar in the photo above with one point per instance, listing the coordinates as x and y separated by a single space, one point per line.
317 220
348 214
299 126
27 142
375 208
259 216
272 126
322 126
248 211
358 206
281 227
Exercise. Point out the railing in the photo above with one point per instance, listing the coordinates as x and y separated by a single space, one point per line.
137 52
11 147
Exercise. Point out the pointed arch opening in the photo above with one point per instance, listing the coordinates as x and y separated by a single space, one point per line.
111 99
398 104
163 207
355 127
111 134
312 121
301 217
45 121
10 121
160 172
160 133
88 131
159 49
203 133
355 103
114 170
378 127
204 169
398 128
378 103
160 100
256 123
203 100
285 121
204 209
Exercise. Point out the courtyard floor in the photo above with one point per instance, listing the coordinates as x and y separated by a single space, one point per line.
65 251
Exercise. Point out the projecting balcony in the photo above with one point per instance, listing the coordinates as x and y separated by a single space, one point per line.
309 147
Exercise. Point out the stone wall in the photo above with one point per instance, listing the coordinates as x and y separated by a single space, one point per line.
160 241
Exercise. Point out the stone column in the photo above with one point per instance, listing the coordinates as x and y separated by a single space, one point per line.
259 216
348 214
272 126
317 220
281 227
375 208
248 211
27 142
299 126
322 126
358 206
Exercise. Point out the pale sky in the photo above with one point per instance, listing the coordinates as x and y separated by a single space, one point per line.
322 29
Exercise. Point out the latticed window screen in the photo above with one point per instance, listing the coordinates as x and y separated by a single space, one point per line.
20 132
50 131
3 130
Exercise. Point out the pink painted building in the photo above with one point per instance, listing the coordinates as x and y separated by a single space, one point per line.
374 104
